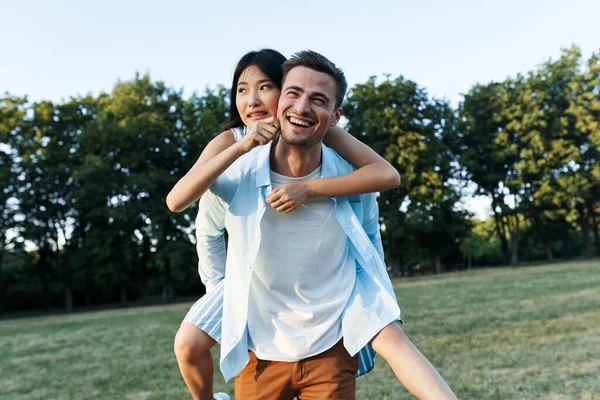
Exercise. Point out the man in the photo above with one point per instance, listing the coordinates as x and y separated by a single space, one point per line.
303 291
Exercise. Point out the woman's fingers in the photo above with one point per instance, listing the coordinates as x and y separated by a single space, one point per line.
286 208
268 131
288 197
280 204
273 121
263 133
277 203
274 195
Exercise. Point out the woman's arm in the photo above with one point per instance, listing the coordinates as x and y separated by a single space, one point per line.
374 174
193 185
218 155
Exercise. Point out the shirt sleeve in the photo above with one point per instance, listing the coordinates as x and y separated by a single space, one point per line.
210 239
371 227
238 133
371 222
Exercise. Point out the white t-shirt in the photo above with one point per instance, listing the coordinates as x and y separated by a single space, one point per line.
301 282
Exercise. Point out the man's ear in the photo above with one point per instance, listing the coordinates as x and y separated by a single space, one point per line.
336 117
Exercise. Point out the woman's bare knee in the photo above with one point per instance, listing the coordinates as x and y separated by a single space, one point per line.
191 342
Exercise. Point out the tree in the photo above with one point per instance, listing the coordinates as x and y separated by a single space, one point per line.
144 138
11 113
582 122
398 120
547 144
45 141
489 151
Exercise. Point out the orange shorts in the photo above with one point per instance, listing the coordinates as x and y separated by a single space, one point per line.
329 375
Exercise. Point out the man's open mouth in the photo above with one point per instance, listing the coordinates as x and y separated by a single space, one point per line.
302 123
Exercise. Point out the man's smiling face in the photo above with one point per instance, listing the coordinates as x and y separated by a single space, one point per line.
307 107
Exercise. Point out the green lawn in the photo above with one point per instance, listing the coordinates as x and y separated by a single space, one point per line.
527 333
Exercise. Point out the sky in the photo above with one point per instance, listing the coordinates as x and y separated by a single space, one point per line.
51 50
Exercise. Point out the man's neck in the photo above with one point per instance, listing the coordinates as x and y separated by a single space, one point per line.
293 161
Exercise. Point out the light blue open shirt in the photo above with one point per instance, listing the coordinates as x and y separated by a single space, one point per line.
236 201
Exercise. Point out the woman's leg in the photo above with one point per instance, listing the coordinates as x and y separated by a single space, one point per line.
192 349
410 366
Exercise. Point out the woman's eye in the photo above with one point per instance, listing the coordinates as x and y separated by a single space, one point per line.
241 90
265 87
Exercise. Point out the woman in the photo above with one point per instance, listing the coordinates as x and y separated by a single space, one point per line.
247 108
254 97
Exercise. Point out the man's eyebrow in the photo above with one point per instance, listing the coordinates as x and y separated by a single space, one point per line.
266 80
320 94
296 88
313 94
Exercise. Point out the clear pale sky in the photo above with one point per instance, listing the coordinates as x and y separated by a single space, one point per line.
51 50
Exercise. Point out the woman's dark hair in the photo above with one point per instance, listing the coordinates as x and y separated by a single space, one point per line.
269 62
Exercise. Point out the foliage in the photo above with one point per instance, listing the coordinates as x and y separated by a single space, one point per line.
414 133
531 144
82 212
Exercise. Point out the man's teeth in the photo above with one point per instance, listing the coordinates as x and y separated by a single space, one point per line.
298 122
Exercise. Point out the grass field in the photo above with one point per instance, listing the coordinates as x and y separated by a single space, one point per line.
526 333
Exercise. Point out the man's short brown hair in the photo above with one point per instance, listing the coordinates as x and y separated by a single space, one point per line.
313 60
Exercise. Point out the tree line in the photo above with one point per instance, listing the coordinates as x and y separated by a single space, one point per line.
83 212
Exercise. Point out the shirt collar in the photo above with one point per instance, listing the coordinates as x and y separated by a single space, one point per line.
263 171
263 164
328 169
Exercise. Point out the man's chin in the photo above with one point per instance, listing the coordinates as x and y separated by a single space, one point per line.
295 140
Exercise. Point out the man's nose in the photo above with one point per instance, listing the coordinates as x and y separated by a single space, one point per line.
303 105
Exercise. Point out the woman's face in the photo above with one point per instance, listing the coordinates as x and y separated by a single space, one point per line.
257 96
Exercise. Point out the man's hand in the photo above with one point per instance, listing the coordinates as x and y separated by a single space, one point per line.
289 196
260 134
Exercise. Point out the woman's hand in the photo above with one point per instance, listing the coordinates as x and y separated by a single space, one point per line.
289 196
260 134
